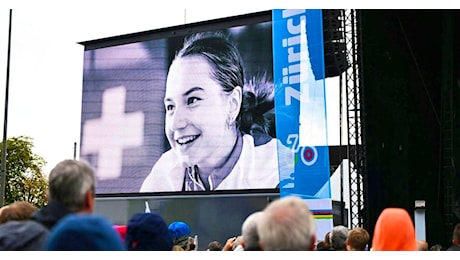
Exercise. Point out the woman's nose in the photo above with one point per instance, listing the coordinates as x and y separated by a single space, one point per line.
178 119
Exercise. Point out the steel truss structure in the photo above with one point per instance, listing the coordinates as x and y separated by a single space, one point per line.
351 86
350 83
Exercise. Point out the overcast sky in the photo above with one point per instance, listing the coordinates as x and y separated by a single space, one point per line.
46 61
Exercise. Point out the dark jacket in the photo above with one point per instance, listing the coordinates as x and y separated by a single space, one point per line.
26 235
50 214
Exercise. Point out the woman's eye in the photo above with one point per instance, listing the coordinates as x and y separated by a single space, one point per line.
169 107
192 100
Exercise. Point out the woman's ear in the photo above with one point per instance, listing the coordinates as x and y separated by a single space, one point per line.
235 100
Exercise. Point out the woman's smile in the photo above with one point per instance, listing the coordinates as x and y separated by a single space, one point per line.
186 139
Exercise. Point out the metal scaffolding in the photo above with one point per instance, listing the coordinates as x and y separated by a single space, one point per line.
350 82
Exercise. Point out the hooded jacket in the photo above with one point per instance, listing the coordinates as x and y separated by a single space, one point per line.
24 235
394 231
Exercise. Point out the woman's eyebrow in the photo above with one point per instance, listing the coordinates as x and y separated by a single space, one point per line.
188 92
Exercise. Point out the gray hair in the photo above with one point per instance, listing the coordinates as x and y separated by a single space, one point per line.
287 224
69 182
339 237
249 231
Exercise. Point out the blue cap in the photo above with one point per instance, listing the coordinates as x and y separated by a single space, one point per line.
87 232
178 229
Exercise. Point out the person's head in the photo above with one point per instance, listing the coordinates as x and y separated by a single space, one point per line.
214 246
339 236
72 183
327 240
436 247
422 245
456 235
203 98
180 234
357 239
394 231
147 232
18 210
84 232
249 232
287 224
320 246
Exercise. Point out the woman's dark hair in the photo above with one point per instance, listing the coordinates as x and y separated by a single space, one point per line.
228 70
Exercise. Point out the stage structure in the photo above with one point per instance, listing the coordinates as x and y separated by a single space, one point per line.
408 81
351 82
343 59
386 59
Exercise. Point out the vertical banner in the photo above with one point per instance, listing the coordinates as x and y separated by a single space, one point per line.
300 108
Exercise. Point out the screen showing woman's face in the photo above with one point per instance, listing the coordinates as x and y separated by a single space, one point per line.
197 110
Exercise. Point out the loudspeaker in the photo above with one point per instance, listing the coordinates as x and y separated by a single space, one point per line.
335 49
339 213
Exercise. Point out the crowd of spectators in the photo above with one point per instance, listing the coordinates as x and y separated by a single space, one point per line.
68 223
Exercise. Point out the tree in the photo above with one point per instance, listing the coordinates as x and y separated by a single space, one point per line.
24 175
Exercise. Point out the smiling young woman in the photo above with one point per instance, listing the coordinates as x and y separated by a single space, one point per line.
211 114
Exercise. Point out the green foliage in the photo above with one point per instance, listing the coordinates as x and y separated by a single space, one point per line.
24 175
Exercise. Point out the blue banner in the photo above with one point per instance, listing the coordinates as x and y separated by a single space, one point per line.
300 106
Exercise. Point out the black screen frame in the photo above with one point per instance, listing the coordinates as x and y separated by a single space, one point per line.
180 31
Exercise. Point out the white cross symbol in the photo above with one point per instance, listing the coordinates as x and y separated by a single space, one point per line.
112 132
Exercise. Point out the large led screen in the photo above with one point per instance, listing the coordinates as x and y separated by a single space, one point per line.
192 109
